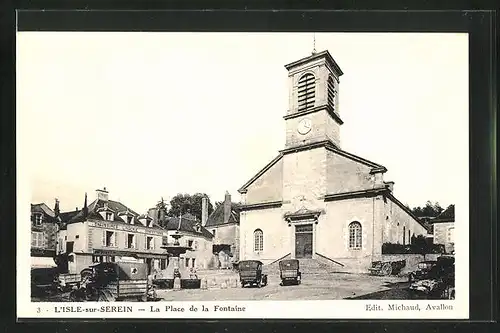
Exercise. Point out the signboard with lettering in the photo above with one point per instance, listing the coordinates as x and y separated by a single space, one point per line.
127 227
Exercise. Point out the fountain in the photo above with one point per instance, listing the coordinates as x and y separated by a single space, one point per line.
177 276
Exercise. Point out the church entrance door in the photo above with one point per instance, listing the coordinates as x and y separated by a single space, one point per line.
303 241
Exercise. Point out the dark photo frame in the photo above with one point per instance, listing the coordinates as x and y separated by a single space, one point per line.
478 24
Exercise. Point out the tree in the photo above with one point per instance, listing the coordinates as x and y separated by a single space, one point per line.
186 203
429 210
421 245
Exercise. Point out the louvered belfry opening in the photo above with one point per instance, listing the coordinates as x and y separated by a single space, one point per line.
306 92
331 93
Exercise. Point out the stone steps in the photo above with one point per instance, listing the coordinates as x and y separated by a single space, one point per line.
307 266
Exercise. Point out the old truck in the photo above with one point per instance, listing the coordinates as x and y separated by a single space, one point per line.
251 273
71 271
115 281
439 282
289 272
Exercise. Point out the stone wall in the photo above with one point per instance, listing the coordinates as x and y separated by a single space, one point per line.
396 222
346 175
444 234
49 231
275 231
412 260
268 187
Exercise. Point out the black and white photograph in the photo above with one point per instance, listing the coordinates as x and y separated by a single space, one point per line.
157 170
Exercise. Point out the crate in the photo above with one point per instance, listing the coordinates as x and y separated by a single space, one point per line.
125 289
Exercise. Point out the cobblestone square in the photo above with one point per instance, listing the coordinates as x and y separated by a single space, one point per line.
313 287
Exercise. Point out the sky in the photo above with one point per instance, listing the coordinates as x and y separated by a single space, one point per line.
150 115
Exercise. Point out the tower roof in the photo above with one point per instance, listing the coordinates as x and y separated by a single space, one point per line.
323 54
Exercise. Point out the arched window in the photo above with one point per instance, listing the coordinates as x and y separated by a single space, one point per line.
355 237
258 240
331 92
306 92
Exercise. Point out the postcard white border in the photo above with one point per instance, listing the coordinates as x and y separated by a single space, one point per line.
293 309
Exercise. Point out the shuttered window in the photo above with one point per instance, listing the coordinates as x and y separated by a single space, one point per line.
130 241
306 92
150 243
109 238
37 239
331 92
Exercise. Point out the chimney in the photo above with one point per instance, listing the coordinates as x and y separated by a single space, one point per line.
390 186
56 208
153 213
204 210
227 207
102 194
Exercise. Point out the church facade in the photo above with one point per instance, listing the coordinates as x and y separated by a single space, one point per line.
314 200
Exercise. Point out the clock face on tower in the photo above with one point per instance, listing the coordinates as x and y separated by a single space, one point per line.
304 126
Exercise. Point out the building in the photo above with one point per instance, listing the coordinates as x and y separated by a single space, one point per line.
196 237
224 224
444 229
315 201
109 231
44 228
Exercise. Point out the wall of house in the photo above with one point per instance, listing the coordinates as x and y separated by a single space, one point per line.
304 177
332 232
49 231
202 250
396 222
346 175
224 234
275 231
96 238
227 234
444 233
61 241
77 233
267 187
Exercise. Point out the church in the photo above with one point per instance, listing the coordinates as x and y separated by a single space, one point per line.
315 201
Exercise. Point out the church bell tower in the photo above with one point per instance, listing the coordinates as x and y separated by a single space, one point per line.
313 113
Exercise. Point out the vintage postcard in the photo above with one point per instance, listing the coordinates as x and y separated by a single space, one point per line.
242 175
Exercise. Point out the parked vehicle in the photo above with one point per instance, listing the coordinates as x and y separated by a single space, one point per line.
440 281
43 280
251 273
289 272
425 270
71 272
110 281
384 268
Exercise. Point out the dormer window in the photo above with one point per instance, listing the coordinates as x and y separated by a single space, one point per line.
305 91
38 219
109 216
130 219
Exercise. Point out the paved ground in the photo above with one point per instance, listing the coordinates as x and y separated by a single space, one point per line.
313 287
